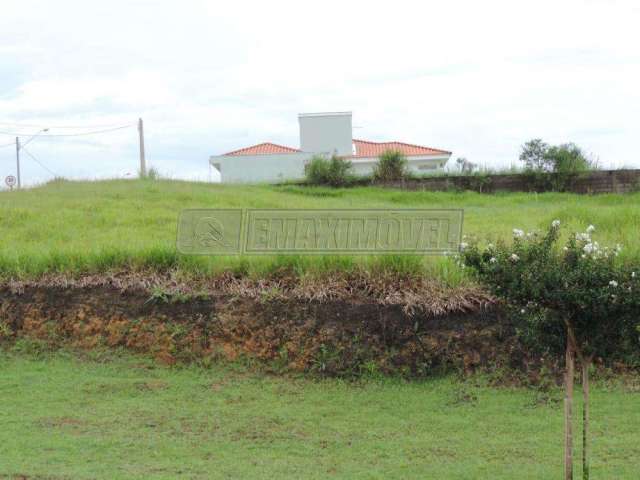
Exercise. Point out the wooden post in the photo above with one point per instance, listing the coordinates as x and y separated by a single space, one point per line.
568 412
585 418
585 362
143 162
18 161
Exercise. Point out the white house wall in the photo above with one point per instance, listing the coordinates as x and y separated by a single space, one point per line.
416 165
261 168
276 168
326 133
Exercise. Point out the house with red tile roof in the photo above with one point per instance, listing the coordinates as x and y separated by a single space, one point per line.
322 134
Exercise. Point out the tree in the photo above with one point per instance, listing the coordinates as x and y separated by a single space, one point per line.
465 165
581 290
567 158
553 167
533 154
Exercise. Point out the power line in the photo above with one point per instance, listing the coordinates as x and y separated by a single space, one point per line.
89 133
39 162
32 137
31 125
42 133
95 132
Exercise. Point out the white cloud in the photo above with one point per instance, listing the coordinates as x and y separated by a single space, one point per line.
478 78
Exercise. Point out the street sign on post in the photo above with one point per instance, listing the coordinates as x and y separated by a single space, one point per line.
10 180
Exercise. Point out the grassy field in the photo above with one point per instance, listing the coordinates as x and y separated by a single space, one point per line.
79 226
110 415
120 417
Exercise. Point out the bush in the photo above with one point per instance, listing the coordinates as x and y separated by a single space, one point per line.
57 181
553 167
568 162
476 181
567 157
391 167
334 172
151 174
581 285
579 292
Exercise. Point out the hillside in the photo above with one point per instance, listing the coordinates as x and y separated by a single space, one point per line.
91 287
95 226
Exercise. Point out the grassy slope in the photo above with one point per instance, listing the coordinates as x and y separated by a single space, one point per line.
79 225
126 419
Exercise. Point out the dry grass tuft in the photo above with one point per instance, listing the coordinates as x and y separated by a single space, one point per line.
416 294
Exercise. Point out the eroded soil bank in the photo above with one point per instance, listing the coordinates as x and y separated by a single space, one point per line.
348 325
330 336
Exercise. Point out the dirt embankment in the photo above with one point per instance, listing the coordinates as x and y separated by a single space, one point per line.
344 326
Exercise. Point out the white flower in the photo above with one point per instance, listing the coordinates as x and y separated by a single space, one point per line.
463 245
517 233
583 237
514 257
566 249
493 260
590 248
555 223
613 283
591 229
633 274
522 311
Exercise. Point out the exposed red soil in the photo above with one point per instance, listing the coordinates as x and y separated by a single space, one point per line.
343 326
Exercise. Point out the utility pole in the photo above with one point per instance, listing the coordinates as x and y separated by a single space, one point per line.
19 147
143 163
18 161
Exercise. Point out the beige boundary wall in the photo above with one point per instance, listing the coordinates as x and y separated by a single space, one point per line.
597 181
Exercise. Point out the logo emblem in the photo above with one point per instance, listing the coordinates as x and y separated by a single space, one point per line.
210 233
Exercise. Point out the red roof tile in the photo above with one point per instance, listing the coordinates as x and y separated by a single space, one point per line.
365 148
262 149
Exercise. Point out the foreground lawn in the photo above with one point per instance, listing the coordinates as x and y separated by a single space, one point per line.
124 418
79 226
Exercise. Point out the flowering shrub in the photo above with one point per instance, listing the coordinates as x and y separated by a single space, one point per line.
578 295
581 286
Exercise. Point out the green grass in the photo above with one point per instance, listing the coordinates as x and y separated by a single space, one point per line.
121 417
93 226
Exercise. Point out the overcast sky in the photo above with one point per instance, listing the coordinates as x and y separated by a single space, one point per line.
475 77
